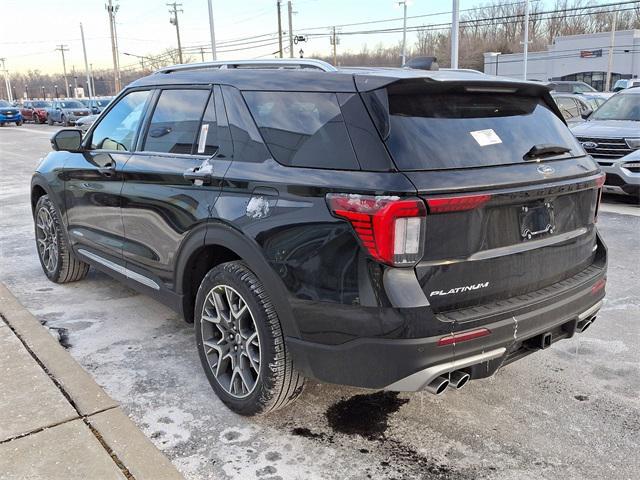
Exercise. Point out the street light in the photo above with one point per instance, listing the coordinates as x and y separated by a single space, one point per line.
55 87
405 4
141 57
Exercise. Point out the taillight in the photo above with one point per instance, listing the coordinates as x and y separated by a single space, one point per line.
599 285
390 228
456 204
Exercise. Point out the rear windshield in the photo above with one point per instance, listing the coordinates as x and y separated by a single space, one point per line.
460 130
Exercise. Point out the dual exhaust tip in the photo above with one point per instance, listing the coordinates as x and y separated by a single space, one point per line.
455 380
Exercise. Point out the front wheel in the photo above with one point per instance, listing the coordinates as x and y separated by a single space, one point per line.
65 122
241 343
58 261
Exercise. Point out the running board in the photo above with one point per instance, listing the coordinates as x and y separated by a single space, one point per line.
120 269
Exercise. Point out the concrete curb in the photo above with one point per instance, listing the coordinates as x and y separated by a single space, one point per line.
124 442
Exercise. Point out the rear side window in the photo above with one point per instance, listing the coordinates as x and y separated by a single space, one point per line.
175 121
459 130
303 129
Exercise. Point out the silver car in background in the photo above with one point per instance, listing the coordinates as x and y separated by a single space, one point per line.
611 135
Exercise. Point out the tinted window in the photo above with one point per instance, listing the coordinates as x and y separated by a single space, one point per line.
457 130
4 103
117 129
175 121
303 129
247 143
207 142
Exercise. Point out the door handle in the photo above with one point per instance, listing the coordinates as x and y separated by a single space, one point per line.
203 176
108 169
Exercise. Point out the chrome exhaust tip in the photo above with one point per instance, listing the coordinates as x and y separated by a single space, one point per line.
458 379
587 323
438 385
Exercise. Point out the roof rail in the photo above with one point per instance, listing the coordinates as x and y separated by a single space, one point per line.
293 64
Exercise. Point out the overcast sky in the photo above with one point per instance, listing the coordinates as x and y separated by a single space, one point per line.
32 29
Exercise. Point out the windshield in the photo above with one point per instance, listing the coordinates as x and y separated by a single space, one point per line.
619 107
85 102
583 88
73 104
461 130
41 104
4 103
102 103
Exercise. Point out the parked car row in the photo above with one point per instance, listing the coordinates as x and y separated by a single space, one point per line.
64 111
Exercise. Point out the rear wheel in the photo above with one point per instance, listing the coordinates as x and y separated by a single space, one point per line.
65 122
49 120
56 258
241 344
19 123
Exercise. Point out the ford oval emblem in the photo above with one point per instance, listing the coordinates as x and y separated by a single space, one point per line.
589 144
546 170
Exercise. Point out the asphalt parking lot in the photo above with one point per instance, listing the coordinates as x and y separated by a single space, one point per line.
570 412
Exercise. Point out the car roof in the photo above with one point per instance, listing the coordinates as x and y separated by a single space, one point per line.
347 79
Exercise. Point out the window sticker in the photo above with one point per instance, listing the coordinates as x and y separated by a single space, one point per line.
202 141
486 137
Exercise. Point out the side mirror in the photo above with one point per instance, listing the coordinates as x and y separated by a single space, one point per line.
68 140
586 114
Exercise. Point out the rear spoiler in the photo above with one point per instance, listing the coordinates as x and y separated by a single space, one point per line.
443 82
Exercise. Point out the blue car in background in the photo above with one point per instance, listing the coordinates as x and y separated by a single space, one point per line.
9 114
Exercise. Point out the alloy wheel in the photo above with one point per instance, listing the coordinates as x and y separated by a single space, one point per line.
230 340
47 239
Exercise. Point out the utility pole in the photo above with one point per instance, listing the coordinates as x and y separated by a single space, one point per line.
279 29
334 42
86 63
404 32
62 49
455 27
612 41
111 9
202 54
7 80
174 21
290 29
75 81
526 39
212 31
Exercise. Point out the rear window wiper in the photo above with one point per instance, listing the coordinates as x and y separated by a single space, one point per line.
545 149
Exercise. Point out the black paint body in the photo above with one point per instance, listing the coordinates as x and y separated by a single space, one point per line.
336 304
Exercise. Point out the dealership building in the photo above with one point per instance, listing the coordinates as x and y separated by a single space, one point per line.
577 57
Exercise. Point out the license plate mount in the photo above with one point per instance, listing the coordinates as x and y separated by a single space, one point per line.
536 220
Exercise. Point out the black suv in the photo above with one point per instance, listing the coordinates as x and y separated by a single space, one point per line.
384 228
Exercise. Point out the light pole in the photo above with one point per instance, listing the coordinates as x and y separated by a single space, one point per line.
55 88
404 32
526 39
212 32
455 27
141 57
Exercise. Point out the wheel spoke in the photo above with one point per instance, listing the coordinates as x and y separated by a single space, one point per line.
230 340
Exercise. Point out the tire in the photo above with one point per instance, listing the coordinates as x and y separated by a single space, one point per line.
18 124
59 264
49 120
276 382
64 121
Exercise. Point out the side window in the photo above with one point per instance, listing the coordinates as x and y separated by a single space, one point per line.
117 130
248 146
303 129
207 143
175 121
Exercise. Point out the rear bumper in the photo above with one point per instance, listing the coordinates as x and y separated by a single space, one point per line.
10 118
517 329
